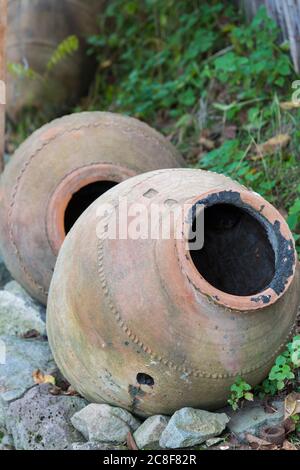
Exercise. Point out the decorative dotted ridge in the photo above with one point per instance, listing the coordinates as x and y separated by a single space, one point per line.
107 124
188 370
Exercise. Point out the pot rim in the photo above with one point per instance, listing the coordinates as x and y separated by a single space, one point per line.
71 184
279 235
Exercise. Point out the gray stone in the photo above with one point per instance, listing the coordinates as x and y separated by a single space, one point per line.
40 421
18 316
148 434
95 446
14 288
4 273
21 358
189 427
213 441
6 443
252 417
105 423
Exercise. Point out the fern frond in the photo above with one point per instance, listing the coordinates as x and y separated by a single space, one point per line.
22 71
65 49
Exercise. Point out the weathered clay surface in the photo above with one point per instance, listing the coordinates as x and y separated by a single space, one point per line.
252 418
148 434
189 427
40 421
160 336
104 423
22 358
51 167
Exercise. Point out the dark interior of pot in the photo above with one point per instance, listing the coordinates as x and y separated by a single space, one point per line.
82 199
237 256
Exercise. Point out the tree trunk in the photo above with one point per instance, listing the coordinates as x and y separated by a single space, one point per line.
286 13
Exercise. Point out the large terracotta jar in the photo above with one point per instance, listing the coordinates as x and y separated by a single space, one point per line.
35 29
56 174
155 323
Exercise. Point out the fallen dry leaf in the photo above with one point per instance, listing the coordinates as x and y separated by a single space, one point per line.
55 390
207 143
287 445
269 408
257 440
71 392
105 64
273 144
289 105
31 334
291 405
229 132
131 442
289 426
260 444
40 378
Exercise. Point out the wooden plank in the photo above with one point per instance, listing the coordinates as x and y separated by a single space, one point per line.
3 25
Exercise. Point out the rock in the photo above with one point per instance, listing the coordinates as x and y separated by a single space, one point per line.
4 274
40 421
189 427
252 417
95 446
22 357
148 434
14 288
213 441
6 443
18 316
105 423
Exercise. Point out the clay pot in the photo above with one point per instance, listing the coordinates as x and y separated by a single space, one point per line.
153 325
56 174
35 29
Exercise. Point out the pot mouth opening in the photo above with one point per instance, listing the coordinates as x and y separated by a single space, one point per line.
82 199
75 193
237 256
247 256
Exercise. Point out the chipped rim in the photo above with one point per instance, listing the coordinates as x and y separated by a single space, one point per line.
278 233
69 185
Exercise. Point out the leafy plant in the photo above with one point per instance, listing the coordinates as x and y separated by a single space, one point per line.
32 118
296 420
65 49
282 373
239 390
284 368
193 67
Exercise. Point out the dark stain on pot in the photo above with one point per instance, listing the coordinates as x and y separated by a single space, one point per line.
265 299
258 254
136 393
